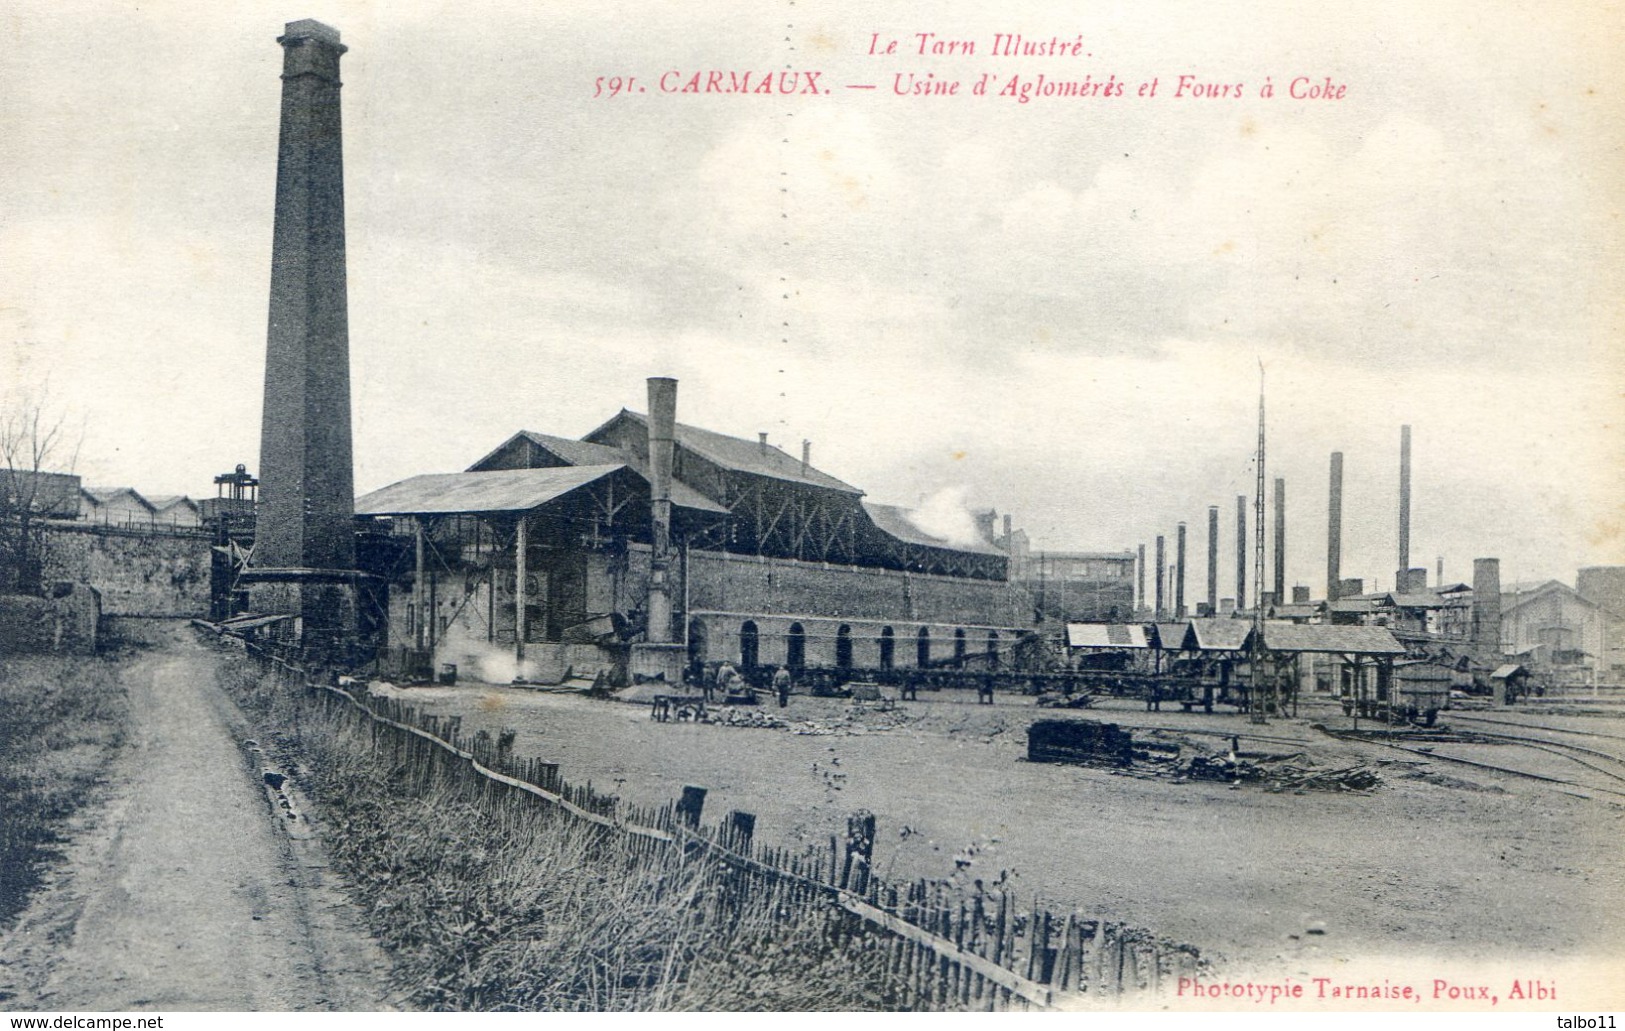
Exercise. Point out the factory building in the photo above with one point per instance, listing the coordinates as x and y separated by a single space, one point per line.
649 545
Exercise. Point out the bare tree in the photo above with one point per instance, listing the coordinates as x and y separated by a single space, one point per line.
35 455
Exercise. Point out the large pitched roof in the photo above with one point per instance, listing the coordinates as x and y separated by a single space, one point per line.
501 490
1106 635
1361 640
573 452
746 456
1220 635
894 520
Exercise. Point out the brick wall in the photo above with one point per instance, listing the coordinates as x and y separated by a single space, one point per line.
137 573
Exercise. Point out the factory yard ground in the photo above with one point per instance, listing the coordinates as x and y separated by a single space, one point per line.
1440 862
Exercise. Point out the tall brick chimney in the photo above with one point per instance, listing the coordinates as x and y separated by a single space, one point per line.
1241 551
1334 530
1212 560
1179 576
1280 539
304 552
1487 608
662 433
1162 576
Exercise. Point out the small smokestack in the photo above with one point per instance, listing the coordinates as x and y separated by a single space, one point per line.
1179 577
1212 559
1334 530
662 431
1487 606
1440 582
1404 497
806 456
1280 537
1162 566
1139 582
1008 533
1241 551
1300 594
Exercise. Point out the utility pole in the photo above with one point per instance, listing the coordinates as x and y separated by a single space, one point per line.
1255 707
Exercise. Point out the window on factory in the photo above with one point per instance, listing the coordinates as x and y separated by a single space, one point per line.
795 651
843 647
749 645
922 648
888 644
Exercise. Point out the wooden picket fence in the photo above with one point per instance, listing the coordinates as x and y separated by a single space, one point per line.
948 946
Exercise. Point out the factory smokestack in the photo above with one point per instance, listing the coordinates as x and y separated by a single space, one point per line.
1241 552
304 556
1280 540
662 430
1139 585
1334 530
1212 560
1404 499
1179 576
1487 606
1162 566
806 456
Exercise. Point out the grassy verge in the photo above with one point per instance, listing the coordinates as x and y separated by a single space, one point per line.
486 901
62 718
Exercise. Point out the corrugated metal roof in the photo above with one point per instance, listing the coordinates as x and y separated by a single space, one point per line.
1510 669
1221 635
1105 635
1361 640
502 490
499 490
894 520
1295 611
746 456
1428 600
1359 604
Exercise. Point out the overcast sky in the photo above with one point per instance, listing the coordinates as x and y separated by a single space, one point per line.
1055 308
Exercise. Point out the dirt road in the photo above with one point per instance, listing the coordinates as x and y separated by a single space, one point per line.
181 890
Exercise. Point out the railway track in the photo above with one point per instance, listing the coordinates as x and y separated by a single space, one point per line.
1563 751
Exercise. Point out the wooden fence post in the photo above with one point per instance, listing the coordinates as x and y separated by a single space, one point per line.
690 805
860 849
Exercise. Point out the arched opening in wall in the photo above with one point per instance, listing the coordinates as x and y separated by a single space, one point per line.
922 648
888 647
843 647
959 646
696 643
795 651
750 648
993 649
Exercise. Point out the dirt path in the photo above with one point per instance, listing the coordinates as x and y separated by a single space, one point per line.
182 890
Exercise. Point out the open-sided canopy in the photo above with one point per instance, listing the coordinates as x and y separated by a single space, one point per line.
503 490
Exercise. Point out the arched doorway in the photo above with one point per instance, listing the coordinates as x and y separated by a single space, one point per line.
993 649
795 651
749 645
959 646
843 647
922 648
888 646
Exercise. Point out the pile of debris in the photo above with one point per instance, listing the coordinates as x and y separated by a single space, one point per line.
1277 773
729 716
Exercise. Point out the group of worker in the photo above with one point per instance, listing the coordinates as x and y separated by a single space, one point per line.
727 680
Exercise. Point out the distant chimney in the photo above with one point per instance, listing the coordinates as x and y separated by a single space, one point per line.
1179 577
1280 537
1440 582
662 428
761 441
1162 565
1404 497
1334 530
1139 585
1300 594
1227 606
1351 587
1241 551
1212 559
806 456
1487 606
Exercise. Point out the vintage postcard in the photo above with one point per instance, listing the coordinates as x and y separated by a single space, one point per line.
808 505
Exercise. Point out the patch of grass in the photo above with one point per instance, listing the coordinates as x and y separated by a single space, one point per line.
487 900
61 720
